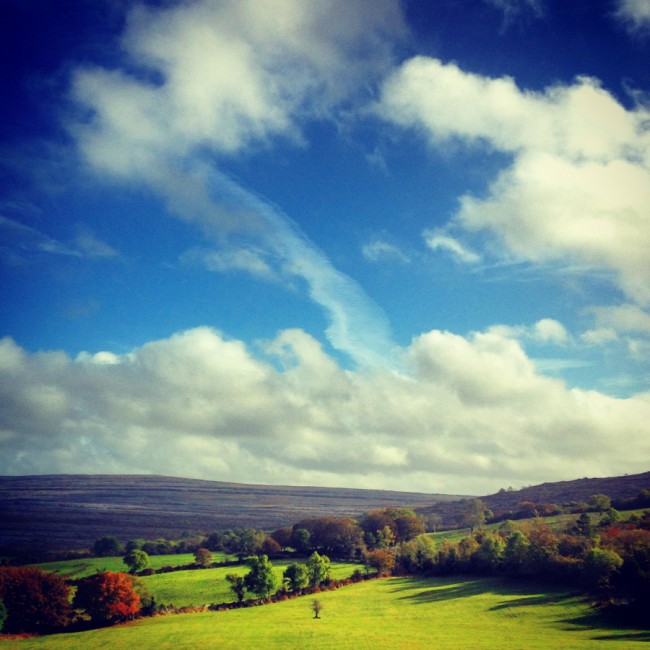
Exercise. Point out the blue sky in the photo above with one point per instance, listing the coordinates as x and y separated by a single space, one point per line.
363 243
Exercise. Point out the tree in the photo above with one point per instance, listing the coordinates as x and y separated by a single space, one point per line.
385 538
489 555
600 565
296 577
136 560
236 585
271 547
133 544
301 540
475 515
3 615
203 557
250 542
261 579
34 601
408 527
107 597
318 569
317 607
515 553
381 560
107 546
283 536
600 502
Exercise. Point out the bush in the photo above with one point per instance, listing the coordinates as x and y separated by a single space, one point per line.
108 597
34 601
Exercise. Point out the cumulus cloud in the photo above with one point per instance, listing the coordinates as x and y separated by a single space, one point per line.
578 187
545 331
463 413
207 81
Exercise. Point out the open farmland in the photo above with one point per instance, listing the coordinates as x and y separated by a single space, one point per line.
75 569
388 614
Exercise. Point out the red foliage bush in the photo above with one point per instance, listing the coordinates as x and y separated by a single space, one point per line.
108 597
36 601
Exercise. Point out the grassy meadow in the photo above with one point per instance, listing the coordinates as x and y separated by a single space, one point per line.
74 569
205 586
393 613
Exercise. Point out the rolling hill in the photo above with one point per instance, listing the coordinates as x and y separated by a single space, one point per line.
71 511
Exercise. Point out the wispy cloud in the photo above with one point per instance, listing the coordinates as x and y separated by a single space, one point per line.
438 240
379 250
231 77
635 14
20 240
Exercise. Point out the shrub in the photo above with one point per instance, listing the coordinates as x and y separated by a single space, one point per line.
34 601
108 597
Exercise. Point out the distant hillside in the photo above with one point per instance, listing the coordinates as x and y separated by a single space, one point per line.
72 511
560 493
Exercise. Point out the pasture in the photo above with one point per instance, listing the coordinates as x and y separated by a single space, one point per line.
204 586
393 613
75 569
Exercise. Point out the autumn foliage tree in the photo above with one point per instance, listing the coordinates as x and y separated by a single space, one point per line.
203 557
381 560
35 601
108 597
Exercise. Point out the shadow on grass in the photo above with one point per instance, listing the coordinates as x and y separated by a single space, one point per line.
609 626
445 589
531 601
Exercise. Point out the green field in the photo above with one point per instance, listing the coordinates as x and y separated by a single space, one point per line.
395 613
205 586
74 569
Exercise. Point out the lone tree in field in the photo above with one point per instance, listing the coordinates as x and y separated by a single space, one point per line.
136 560
317 607
260 580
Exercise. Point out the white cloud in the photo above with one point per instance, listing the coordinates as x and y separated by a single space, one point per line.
247 260
624 318
578 187
437 240
379 250
516 9
461 416
221 79
634 13
22 240
229 76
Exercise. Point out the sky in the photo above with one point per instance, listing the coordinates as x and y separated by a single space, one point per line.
354 243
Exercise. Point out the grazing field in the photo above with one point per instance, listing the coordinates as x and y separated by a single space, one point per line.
205 586
74 569
395 613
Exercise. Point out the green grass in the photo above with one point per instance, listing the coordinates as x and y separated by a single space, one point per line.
396 613
205 586
74 569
